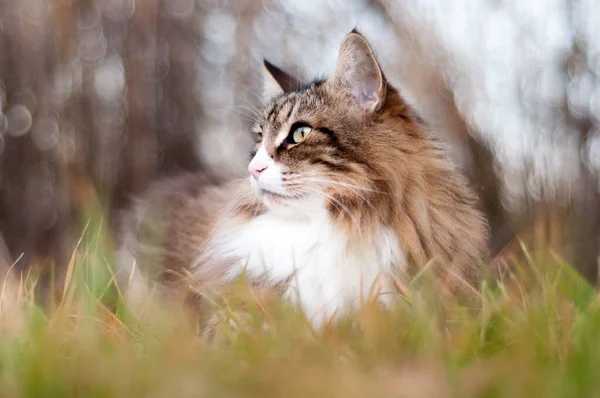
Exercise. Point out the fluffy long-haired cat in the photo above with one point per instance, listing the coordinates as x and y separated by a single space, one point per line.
346 193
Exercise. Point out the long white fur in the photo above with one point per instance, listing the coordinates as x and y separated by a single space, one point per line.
329 275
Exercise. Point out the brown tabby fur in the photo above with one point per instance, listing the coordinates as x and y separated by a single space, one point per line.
406 183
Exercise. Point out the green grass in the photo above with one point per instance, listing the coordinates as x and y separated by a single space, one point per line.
537 334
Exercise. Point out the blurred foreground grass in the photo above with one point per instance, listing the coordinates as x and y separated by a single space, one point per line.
535 334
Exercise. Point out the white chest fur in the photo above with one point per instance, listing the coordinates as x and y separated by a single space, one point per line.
328 275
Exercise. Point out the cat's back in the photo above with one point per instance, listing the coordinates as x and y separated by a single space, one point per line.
162 231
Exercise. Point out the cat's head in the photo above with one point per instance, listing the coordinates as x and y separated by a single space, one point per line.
325 145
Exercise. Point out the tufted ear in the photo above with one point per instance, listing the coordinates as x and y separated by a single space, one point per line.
358 71
276 82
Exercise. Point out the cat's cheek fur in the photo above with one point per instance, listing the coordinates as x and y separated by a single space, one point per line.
328 275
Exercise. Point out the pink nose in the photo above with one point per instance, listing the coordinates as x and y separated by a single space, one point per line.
255 171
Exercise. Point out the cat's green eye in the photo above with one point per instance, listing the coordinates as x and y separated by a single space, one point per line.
299 134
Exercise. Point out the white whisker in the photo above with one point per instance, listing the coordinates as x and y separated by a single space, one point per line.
329 181
353 188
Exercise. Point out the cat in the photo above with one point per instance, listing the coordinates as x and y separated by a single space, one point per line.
347 192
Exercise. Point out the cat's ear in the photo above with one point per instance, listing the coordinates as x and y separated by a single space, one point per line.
276 82
357 70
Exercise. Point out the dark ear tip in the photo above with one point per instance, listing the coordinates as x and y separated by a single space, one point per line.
355 31
287 82
274 70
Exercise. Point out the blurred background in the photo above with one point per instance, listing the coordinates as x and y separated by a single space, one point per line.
98 98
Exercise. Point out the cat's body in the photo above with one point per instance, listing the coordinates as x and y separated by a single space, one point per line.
347 194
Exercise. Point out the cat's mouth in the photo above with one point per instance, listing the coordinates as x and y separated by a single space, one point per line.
274 195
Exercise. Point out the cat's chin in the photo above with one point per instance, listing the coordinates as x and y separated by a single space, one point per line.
278 203
274 198
289 206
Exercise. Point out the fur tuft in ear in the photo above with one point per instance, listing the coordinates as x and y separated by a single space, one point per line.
276 82
358 71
